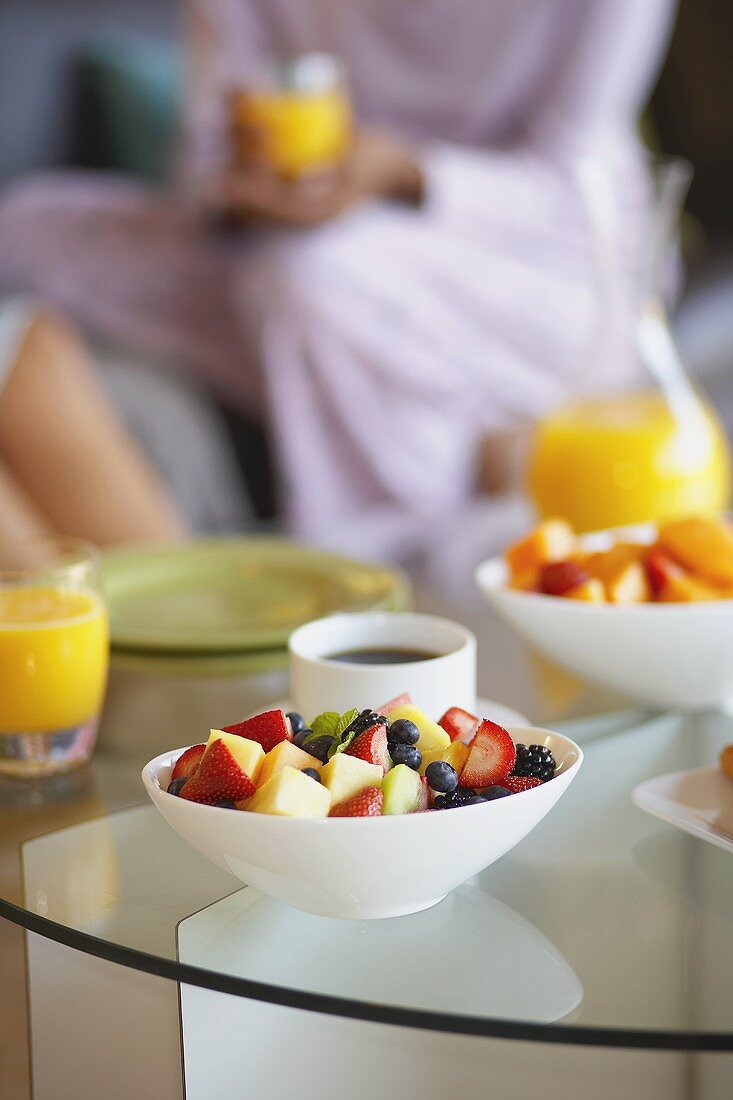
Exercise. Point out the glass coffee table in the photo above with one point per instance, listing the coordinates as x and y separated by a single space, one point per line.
596 955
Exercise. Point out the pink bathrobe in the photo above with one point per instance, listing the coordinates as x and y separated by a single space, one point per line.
385 344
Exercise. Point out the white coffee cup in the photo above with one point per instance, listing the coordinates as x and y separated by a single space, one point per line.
434 683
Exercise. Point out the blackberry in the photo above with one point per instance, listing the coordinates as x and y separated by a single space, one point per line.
534 760
453 800
176 785
365 721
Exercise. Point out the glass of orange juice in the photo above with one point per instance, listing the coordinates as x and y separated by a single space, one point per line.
54 655
296 119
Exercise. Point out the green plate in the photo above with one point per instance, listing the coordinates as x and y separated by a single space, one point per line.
235 594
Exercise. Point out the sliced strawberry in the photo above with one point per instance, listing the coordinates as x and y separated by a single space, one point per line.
459 724
403 700
268 729
367 803
518 783
491 758
218 777
371 745
188 762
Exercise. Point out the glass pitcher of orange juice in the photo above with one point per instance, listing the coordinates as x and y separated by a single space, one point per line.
54 655
298 119
652 453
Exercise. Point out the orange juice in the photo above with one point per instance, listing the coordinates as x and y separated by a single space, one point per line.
54 652
298 131
628 459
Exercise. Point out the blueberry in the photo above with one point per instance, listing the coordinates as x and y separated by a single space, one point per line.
225 804
320 746
495 792
301 735
177 785
297 721
406 754
312 773
473 800
403 732
441 776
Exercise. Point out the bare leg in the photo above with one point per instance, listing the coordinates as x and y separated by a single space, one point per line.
19 518
65 448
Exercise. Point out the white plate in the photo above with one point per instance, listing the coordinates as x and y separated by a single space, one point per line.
699 801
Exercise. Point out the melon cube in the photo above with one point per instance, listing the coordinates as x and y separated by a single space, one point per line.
289 793
249 755
404 791
432 736
285 755
344 776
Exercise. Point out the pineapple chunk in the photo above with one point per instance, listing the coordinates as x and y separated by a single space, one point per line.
432 736
704 546
289 793
629 584
248 754
344 776
456 755
682 588
285 754
551 540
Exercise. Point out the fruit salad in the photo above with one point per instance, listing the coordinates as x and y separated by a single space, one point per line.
688 560
369 763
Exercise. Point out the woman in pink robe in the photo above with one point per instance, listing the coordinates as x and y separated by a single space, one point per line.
451 293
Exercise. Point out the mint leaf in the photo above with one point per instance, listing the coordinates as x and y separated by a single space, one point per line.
343 738
325 725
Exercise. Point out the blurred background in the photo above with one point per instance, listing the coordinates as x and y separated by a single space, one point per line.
98 85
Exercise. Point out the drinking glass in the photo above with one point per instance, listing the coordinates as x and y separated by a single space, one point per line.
54 655
653 450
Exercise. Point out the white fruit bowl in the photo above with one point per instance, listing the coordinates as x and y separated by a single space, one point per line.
361 868
671 655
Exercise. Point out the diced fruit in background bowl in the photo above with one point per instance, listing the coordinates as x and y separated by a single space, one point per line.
518 783
188 762
670 583
551 540
403 700
371 747
491 757
344 776
403 791
702 545
660 570
459 724
282 756
560 577
290 793
456 755
432 736
629 585
269 729
367 803
591 591
228 770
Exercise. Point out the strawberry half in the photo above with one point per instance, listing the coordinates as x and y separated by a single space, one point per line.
518 783
371 745
268 729
491 758
403 700
188 762
426 795
219 776
459 724
367 803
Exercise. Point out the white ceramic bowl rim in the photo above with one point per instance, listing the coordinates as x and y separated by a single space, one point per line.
152 770
492 574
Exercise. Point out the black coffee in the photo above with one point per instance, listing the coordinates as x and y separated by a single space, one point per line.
381 656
